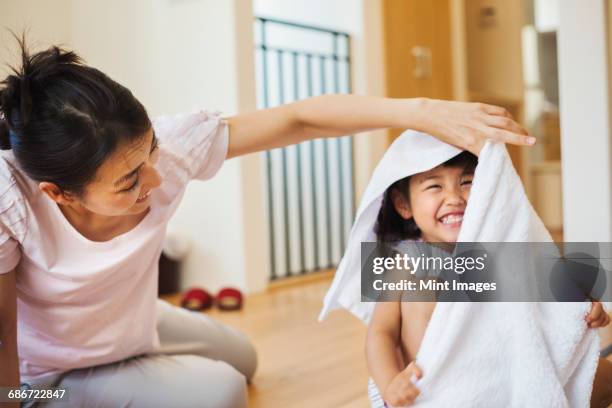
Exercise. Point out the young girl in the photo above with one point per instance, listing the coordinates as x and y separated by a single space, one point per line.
429 207
87 186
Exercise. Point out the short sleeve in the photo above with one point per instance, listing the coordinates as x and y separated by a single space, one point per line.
193 145
13 219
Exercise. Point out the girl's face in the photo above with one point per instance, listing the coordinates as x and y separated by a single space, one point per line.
438 198
125 181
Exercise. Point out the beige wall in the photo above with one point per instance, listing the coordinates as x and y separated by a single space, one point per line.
44 22
458 50
369 80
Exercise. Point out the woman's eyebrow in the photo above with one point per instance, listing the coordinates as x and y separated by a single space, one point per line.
134 172
128 176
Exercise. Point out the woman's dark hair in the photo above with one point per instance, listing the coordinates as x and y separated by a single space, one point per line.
390 226
63 119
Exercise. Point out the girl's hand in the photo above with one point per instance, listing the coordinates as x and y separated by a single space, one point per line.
597 317
468 125
401 391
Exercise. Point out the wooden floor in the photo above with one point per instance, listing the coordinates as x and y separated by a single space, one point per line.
302 363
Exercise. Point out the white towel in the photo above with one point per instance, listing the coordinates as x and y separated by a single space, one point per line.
480 354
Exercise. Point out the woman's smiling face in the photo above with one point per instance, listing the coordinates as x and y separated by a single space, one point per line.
124 182
437 201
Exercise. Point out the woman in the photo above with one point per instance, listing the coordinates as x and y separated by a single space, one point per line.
86 191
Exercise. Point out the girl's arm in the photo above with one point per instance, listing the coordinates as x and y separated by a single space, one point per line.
466 125
9 361
382 342
394 381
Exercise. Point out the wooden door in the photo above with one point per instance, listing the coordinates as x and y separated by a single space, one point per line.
417 40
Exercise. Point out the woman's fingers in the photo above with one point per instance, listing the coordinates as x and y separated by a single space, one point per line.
494 110
506 136
501 127
505 123
469 125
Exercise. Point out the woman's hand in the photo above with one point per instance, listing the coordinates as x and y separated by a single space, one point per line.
468 125
597 317
401 391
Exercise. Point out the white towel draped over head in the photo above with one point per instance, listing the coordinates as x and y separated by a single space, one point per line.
480 354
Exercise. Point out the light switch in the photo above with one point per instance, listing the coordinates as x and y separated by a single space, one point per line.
488 17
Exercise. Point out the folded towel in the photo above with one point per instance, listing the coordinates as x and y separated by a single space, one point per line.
480 354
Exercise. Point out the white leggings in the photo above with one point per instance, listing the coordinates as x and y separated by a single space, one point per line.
201 363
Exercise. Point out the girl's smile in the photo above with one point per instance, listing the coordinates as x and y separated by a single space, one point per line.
452 220
436 199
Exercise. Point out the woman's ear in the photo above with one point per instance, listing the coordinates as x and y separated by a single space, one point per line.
55 193
401 204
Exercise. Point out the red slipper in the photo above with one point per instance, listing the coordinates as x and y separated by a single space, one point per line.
196 299
229 299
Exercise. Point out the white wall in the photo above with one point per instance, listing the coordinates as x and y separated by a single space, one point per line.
585 129
546 14
176 56
341 15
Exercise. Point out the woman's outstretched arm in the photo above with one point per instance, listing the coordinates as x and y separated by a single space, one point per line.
465 125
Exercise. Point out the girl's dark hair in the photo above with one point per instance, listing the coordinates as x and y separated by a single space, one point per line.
390 226
63 119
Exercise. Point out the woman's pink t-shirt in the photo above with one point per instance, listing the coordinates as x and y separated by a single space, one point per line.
83 303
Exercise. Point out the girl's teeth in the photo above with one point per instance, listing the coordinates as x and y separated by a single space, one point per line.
451 219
